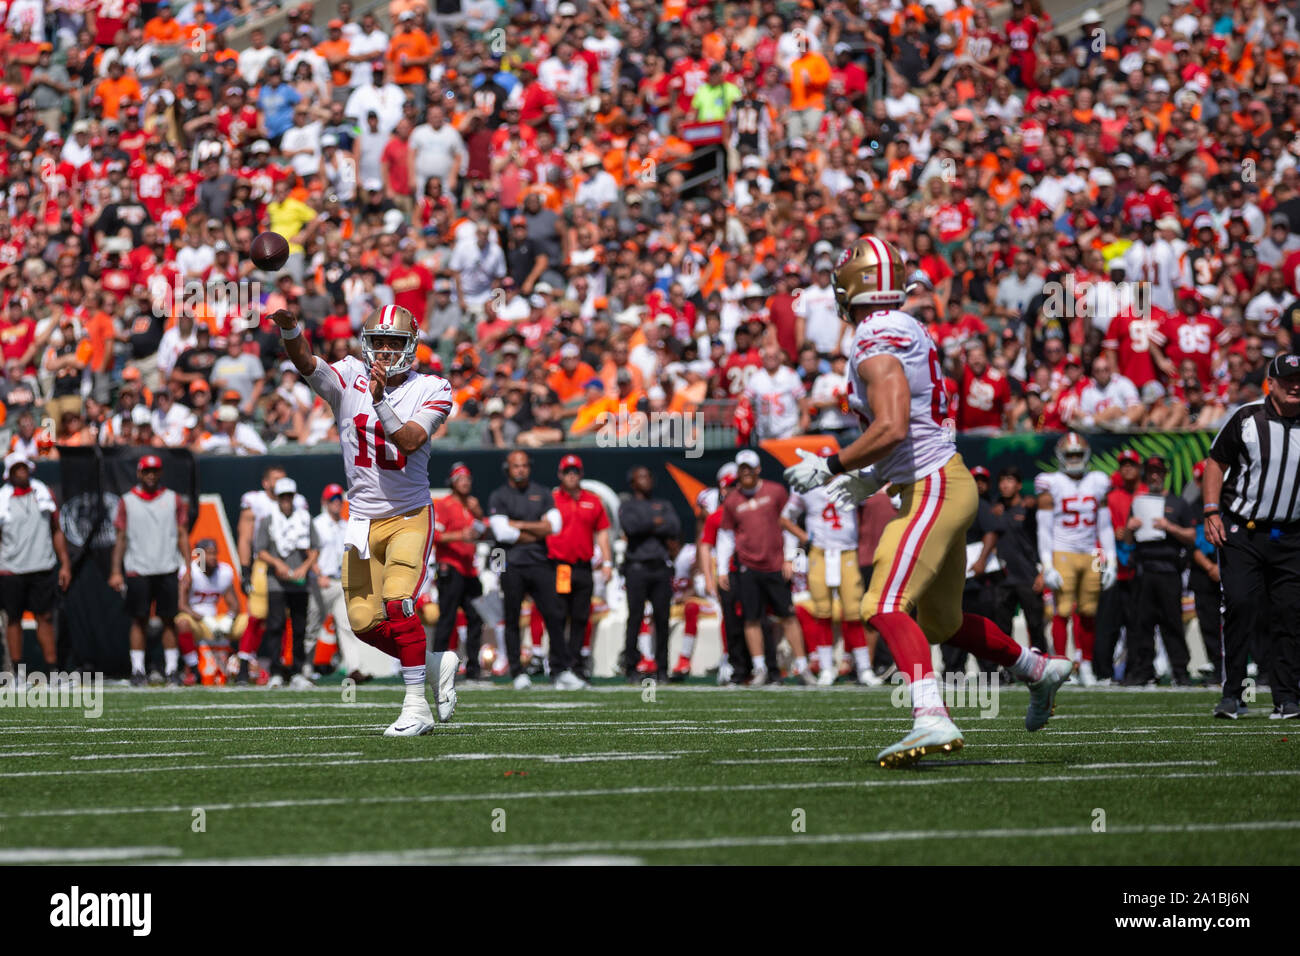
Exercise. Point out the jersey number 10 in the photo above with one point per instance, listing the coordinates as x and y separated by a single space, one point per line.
363 459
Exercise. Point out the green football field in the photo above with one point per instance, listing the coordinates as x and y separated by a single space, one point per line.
679 774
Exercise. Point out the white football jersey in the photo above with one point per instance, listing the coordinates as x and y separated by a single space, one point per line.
381 480
207 587
830 527
929 443
776 401
1075 503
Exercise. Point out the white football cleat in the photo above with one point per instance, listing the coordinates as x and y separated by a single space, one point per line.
931 734
275 681
867 678
301 682
826 678
1042 692
440 670
415 719
570 681
758 677
725 672
523 682
1086 676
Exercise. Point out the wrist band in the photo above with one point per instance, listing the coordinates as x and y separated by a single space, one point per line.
1211 510
834 465
387 417
293 333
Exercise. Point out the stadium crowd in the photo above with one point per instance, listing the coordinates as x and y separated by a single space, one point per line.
1102 226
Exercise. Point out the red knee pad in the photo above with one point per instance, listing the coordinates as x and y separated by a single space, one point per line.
1085 634
406 631
379 638
1059 625
251 642
906 641
986 640
691 615
810 628
855 635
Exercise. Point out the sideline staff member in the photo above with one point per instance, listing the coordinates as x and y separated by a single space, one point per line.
522 515
1252 514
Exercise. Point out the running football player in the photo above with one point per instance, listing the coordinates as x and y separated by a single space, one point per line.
386 413
1073 522
920 562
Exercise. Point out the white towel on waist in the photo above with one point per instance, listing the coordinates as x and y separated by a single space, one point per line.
357 536
832 567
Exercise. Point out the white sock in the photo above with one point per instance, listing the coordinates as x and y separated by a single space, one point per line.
760 662
414 678
800 665
137 662
688 646
1029 666
170 656
501 642
645 644
826 657
248 656
862 659
927 698
192 659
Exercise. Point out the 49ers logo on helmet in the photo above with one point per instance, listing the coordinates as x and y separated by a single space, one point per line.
845 256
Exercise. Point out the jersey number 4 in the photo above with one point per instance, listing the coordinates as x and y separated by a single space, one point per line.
363 459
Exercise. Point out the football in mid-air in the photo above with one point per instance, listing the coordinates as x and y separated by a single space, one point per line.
269 251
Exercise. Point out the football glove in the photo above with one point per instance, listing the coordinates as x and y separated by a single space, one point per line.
852 488
1052 579
811 472
1109 573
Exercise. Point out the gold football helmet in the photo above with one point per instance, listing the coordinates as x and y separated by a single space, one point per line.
870 272
390 320
1073 454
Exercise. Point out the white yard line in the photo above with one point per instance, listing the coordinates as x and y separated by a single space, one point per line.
85 854
884 780
1158 763
139 756
470 853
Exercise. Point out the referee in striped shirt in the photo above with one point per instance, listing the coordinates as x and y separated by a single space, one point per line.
1252 514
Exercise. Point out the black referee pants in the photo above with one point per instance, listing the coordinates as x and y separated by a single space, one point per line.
574 610
538 582
1018 591
1260 575
456 591
1159 604
1114 612
647 581
1209 601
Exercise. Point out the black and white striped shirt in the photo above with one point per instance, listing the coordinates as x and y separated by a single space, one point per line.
1260 454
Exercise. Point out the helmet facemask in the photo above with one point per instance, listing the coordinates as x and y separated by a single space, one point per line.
395 361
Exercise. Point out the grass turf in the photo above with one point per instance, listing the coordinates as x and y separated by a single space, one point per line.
696 775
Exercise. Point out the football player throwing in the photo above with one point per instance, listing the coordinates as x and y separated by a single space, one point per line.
386 413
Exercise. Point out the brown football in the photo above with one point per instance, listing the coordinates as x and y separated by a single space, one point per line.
269 251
